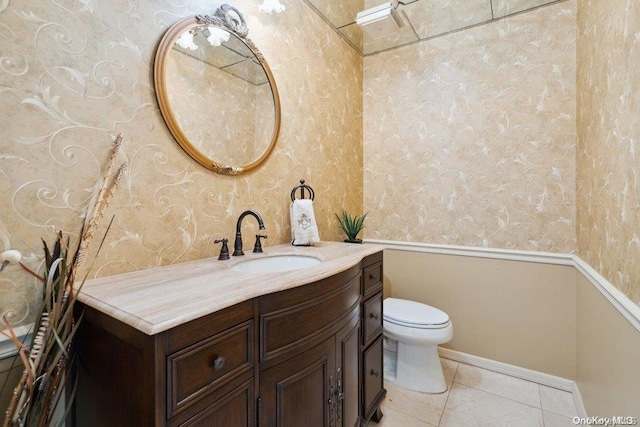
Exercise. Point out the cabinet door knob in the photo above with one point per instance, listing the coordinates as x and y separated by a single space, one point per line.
373 316
218 364
375 373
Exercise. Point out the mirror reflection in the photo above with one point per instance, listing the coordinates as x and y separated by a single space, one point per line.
217 95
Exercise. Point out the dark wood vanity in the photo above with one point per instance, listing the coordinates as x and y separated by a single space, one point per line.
310 355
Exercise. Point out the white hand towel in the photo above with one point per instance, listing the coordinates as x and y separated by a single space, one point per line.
304 230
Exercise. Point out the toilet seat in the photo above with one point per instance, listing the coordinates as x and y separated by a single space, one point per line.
413 314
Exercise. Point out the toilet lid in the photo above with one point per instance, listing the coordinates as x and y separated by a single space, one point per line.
412 313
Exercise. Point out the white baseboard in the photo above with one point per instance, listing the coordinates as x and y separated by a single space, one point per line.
577 399
518 372
511 370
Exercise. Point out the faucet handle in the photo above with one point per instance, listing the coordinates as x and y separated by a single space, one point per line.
257 248
224 251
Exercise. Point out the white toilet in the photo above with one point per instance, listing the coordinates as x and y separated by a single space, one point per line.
412 332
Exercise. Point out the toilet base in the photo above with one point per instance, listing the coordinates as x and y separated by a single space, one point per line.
418 368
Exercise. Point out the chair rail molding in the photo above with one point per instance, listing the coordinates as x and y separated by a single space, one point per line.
626 307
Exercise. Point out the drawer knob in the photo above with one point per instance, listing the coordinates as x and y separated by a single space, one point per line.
218 364
373 316
372 276
375 373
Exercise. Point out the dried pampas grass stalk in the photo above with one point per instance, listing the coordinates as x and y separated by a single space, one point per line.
48 365
104 196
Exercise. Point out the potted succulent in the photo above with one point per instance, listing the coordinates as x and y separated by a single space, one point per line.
351 225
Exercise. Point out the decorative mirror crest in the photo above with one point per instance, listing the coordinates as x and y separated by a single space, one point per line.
228 17
216 92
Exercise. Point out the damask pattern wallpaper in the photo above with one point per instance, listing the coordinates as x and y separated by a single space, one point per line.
469 138
75 73
608 157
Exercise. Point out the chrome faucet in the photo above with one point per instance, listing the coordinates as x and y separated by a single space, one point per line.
237 246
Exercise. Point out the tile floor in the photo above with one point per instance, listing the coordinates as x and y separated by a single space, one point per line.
478 397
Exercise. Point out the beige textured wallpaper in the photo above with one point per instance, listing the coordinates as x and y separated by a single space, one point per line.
73 74
608 193
469 139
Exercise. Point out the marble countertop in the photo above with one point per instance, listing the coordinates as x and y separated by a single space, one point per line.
157 299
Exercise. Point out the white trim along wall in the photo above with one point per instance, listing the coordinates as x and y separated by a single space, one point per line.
598 393
624 305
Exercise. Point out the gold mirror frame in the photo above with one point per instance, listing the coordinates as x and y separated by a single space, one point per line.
229 19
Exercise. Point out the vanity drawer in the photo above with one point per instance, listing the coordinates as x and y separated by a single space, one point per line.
372 374
234 408
372 279
372 318
196 371
293 319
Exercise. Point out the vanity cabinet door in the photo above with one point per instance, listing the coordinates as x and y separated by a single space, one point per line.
348 362
317 388
310 354
295 393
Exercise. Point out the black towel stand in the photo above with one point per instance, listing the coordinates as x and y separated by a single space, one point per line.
302 187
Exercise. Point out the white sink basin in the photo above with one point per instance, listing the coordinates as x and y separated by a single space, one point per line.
276 264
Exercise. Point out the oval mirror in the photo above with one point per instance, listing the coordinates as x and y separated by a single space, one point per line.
216 92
